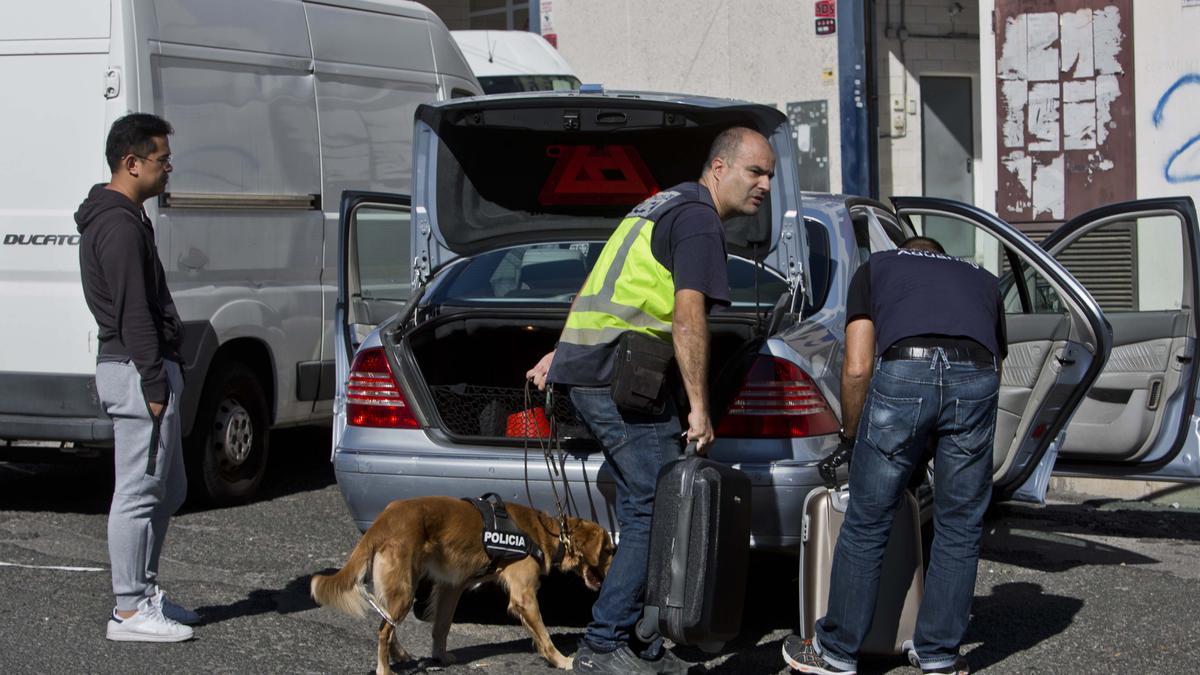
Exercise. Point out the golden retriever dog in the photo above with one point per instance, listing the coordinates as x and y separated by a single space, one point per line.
441 538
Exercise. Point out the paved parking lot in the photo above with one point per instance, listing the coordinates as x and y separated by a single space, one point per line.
1075 587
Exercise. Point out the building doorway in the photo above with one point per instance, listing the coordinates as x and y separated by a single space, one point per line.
947 155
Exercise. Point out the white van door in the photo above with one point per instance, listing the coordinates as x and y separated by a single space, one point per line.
54 57
367 91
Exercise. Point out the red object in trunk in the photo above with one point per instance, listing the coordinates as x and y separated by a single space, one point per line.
531 423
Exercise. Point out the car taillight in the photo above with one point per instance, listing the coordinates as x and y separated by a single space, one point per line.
777 400
373 397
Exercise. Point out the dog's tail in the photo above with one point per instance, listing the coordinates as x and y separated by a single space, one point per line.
343 589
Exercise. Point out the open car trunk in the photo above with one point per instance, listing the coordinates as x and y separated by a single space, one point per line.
472 363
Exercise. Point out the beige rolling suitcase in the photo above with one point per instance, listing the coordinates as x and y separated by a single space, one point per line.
901 581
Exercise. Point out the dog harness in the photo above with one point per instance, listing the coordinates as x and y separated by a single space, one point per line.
502 539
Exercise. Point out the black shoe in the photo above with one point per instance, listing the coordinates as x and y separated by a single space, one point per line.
802 656
620 661
669 664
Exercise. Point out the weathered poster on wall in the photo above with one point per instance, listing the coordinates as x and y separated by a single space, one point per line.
1065 98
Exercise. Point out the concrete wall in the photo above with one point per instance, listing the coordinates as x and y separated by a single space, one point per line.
767 51
1166 55
764 51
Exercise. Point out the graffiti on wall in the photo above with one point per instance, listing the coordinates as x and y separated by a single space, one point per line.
1065 107
1182 164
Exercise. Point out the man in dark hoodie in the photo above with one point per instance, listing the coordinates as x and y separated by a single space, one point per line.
138 375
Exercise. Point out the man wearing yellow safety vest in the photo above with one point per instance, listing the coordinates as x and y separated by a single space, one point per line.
661 271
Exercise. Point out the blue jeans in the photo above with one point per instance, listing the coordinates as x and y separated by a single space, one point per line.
909 403
636 447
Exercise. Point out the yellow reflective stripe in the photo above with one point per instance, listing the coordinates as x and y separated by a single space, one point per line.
612 258
619 260
602 319
590 337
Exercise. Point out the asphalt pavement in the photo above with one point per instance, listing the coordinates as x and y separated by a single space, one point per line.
1080 586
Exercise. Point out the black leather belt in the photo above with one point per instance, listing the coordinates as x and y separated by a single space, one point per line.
977 355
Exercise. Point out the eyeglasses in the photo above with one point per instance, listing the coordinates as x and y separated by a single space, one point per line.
165 160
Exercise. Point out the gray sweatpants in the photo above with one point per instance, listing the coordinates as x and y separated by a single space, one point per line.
151 484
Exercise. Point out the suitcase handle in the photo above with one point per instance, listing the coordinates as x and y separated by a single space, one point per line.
689 450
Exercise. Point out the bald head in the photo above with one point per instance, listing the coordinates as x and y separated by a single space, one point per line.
725 146
738 171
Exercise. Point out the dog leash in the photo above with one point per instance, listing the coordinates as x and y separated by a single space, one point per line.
378 610
555 466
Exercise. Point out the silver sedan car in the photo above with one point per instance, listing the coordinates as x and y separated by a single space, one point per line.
446 297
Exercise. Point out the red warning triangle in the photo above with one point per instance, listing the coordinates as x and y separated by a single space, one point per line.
597 175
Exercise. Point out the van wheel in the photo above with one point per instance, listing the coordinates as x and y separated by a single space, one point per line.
227 449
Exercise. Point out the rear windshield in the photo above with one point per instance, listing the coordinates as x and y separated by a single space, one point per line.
507 185
511 84
553 273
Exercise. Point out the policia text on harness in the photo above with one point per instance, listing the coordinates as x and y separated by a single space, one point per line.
626 307
502 539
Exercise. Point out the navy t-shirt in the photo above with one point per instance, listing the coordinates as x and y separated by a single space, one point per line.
688 240
858 304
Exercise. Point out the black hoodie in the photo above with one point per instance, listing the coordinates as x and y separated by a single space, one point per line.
126 289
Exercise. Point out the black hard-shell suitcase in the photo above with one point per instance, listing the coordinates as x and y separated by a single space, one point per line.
699 553
901 579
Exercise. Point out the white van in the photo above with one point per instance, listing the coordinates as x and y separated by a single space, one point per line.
510 61
278 106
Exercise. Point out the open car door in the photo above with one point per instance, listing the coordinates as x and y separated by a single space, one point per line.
1139 260
1055 350
374 277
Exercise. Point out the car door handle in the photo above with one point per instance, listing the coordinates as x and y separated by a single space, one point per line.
1065 360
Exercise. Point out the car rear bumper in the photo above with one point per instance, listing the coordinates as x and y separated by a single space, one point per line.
372 477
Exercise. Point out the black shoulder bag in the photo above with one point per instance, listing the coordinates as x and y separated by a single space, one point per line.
639 379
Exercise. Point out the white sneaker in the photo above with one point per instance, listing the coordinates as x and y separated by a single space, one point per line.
148 625
173 611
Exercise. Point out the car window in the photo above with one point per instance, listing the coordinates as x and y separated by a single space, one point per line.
742 290
869 235
820 266
1130 265
554 273
890 226
543 272
862 235
1029 292
381 243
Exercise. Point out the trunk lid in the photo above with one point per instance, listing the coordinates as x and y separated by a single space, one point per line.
501 171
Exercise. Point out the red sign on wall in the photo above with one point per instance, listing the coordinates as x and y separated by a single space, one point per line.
826 13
